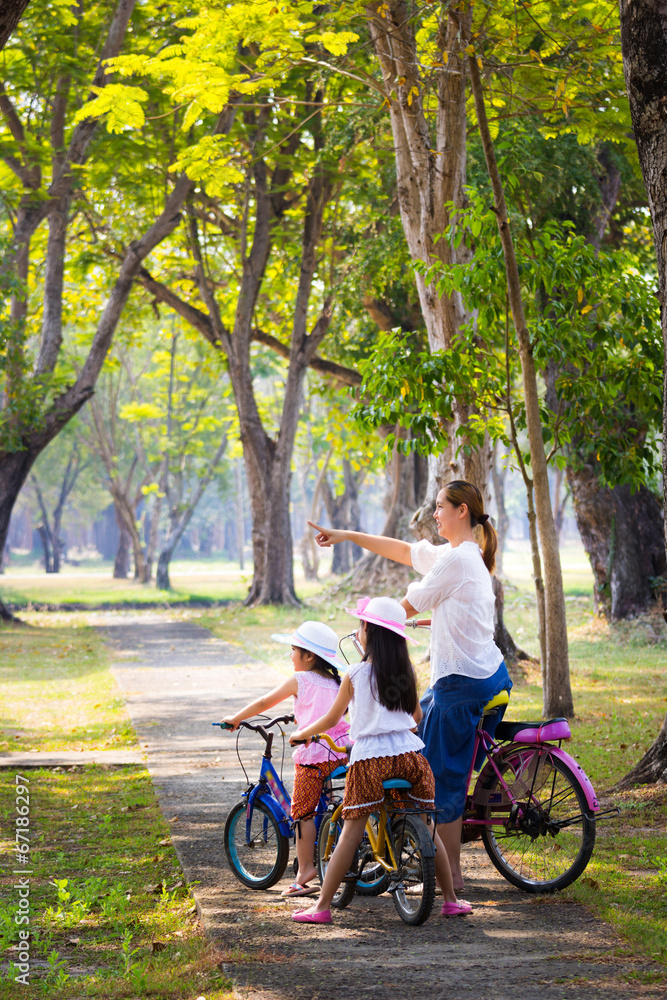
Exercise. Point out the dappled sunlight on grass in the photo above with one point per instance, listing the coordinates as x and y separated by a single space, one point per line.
57 692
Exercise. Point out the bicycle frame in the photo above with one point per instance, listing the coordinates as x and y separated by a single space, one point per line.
273 794
381 842
270 789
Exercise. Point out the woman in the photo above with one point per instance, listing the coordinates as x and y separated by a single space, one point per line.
467 668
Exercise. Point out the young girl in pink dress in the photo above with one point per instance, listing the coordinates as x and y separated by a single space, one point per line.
314 686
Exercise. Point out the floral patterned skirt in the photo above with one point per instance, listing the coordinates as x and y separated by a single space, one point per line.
309 780
363 785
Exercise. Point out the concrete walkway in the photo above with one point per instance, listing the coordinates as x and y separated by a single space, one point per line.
177 679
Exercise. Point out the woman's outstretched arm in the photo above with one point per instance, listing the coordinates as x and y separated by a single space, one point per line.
390 548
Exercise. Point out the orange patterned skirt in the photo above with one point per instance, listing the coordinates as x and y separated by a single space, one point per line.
363 786
309 780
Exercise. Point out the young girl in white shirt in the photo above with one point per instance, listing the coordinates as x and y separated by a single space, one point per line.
381 693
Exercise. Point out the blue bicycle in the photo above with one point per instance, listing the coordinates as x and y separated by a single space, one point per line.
259 828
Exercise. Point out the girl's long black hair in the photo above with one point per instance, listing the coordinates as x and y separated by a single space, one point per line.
322 666
393 680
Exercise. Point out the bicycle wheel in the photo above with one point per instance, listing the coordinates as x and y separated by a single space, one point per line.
261 860
346 890
373 878
548 834
413 884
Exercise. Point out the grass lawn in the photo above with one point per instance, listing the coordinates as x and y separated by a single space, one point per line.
194 581
111 915
57 692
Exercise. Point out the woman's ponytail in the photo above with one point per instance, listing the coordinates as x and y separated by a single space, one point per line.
490 545
459 492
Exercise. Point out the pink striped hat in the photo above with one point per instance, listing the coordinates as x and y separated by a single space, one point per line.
383 611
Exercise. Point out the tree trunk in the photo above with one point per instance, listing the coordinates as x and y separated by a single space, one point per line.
58 542
560 500
405 488
162 581
556 670
11 12
431 174
501 636
622 533
644 46
45 536
121 565
498 477
128 516
652 768
343 512
278 577
153 536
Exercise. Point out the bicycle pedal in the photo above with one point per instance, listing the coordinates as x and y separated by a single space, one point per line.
351 877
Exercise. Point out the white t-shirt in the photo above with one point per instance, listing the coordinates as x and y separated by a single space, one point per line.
457 587
377 731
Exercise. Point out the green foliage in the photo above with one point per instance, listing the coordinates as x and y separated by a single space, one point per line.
560 61
590 314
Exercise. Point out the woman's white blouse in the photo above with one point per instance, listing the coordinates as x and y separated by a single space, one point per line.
457 587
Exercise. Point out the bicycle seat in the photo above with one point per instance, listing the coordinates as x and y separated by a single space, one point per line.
534 732
500 699
340 772
396 783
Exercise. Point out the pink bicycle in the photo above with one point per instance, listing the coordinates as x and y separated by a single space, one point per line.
532 804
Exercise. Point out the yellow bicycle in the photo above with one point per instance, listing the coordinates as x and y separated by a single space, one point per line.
396 855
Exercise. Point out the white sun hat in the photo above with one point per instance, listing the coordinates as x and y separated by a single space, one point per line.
317 638
383 611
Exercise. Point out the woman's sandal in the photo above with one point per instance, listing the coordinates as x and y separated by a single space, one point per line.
458 909
296 889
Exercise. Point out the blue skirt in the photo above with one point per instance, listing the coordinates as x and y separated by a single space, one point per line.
452 710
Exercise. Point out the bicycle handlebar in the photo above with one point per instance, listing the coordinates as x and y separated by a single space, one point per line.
283 719
419 623
324 738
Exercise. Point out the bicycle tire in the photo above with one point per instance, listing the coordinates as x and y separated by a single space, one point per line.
545 844
413 885
373 878
345 892
262 862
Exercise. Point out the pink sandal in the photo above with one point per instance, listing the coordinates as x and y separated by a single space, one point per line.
296 889
303 917
458 909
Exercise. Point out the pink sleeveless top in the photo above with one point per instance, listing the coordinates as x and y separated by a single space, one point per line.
315 697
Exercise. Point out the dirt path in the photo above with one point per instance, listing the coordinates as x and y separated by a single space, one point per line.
177 679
